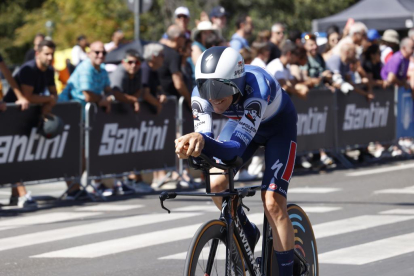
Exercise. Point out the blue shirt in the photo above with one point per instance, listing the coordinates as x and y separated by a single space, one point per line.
85 78
262 101
237 42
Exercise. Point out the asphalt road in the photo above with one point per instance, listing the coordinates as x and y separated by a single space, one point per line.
363 220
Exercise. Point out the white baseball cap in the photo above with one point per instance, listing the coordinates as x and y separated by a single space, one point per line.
182 10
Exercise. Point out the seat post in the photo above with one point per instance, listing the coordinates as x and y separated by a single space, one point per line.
231 179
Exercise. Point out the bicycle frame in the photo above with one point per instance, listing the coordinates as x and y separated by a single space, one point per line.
231 200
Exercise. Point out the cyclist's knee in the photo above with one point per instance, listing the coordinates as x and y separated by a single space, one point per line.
218 183
275 205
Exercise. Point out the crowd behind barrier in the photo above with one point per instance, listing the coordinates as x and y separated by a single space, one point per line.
355 63
123 141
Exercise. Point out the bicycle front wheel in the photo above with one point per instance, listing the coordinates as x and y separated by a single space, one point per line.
305 243
207 252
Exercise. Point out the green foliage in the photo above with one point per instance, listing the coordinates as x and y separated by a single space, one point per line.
20 20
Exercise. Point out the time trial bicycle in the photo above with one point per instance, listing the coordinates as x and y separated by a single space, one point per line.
220 247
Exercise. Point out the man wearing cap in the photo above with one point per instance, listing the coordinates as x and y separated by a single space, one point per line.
395 70
244 26
182 18
218 17
389 40
373 36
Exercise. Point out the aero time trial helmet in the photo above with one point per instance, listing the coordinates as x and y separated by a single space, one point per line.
219 73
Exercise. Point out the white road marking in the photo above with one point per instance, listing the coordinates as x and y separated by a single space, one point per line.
398 212
105 248
197 208
313 190
348 225
108 208
370 252
320 209
6 223
220 255
88 229
406 190
382 170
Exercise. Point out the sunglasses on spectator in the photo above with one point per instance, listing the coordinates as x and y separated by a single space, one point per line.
130 62
100 52
182 16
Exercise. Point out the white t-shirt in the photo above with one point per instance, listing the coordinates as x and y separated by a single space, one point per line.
278 71
258 62
78 55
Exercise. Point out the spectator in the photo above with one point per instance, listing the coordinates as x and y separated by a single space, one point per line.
218 17
153 60
19 196
247 55
333 37
410 72
126 79
373 36
117 41
296 37
276 40
90 79
357 34
262 50
182 19
87 84
389 41
21 99
244 25
31 53
264 36
395 70
372 64
200 36
280 69
79 50
342 74
187 68
315 71
35 78
170 75
126 87
214 40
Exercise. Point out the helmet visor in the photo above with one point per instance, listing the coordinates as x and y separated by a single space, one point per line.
213 89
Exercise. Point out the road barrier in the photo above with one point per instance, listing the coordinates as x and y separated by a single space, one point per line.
123 141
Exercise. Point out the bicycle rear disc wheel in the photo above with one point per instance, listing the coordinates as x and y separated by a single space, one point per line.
200 253
305 243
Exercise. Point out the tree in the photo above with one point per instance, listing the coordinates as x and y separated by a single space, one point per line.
98 19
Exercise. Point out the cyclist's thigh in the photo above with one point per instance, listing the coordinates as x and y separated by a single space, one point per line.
280 154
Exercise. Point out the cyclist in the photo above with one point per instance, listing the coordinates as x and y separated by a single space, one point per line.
260 114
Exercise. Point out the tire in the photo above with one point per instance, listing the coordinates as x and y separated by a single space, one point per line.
199 251
305 243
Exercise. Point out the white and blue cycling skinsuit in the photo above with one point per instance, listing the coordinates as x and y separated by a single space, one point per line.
263 116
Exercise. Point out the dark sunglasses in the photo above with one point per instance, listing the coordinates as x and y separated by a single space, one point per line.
182 16
100 52
130 62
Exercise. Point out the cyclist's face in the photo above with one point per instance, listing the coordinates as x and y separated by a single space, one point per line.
222 104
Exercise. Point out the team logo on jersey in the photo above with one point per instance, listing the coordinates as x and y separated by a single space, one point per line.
252 111
273 186
249 90
197 110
